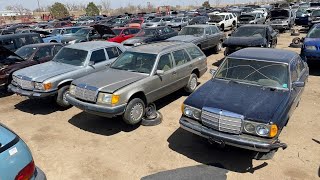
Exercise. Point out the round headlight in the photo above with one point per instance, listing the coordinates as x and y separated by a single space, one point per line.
249 127
196 114
188 112
262 130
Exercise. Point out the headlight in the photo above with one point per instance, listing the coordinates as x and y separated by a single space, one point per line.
191 112
311 48
260 129
137 44
72 89
105 98
38 86
249 127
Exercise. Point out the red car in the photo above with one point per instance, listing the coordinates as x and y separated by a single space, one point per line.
124 33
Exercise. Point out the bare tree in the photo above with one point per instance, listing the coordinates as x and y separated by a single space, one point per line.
19 9
106 5
217 2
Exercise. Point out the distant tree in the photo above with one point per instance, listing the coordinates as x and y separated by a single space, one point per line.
58 10
217 3
106 5
19 9
206 4
92 9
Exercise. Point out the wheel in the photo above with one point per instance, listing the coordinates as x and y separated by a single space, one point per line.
192 84
134 112
218 47
264 155
61 97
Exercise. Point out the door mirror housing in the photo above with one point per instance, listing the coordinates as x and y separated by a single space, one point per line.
160 72
213 72
298 84
91 63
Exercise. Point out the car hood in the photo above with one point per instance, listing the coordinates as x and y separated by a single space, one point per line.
103 30
6 136
311 41
174 23
253 102
5 53
245 41
44 71
135 40
110 80
185 38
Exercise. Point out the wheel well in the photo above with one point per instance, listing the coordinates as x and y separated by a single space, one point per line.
53 41
140 95
64 84
196 72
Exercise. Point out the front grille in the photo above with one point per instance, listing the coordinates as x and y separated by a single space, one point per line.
85 94
221 120
23 82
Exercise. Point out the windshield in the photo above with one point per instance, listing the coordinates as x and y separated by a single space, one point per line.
156 20
25 52
82 32
56 31
261 73
216 18
279 14
116 31
246 18
135 62
249 31
147 33
176 20
316 13
192 31
71 56
301 10
314 33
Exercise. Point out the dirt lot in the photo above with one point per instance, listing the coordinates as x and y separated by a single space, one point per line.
71 144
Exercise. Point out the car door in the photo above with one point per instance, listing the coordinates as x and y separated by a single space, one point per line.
227 21
98 60
164 84
183 67
215 36
208 37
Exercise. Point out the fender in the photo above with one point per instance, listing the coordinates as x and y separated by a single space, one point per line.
65 81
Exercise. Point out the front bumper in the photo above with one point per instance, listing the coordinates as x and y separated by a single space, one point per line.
39 174
30 93
280 26
301 21
96 109
241 141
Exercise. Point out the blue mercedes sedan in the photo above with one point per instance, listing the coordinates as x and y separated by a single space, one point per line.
310 51
248 101
16 161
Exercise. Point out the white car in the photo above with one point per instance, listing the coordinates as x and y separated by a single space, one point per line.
262 11
223 20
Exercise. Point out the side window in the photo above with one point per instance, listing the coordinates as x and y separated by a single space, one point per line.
113 52
20 42
294 71
8 43
98 56
36 39
43 52
180 57
194 52
74 30
213 30
300 66
133 31
125 32
208 31
227 17
56 49
165 62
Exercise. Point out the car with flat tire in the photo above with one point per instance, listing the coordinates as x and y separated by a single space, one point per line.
138 77
248 101
53 78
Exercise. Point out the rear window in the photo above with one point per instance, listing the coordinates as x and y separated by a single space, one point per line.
194 52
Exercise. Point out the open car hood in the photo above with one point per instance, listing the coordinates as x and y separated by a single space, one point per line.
103 30
5 53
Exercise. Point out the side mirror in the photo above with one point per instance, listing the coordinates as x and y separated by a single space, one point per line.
159 72
91 63
298 84
213 72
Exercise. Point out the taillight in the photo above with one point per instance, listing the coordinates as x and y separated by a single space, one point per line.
27 172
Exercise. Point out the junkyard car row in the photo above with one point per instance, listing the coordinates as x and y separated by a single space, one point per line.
122 71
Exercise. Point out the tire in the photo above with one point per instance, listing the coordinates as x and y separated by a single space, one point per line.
264 155
295 45
152 122
134 112
192 83
218 47
61 97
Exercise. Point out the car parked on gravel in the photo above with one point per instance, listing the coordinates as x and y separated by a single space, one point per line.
251 36
251 18
53 78
282 19
16 160
224 21
149 35
25 56
140 76
204 36
178 23
58 34
124 33
310 50
249 100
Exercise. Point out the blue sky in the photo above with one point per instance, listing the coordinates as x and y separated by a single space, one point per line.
32 4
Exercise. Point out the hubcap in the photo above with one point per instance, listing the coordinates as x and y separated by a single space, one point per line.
64 96
193 83
136 111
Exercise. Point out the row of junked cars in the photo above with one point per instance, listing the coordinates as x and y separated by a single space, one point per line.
246 103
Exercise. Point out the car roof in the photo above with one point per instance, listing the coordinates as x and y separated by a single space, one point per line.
265 54
92 45
224 13
18 35
255 25
156 48
200 25
41 44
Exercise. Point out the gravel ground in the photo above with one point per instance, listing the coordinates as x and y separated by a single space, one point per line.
71 144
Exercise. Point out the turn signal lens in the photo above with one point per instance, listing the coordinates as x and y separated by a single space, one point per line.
273 130
115 99
47 86
182 108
